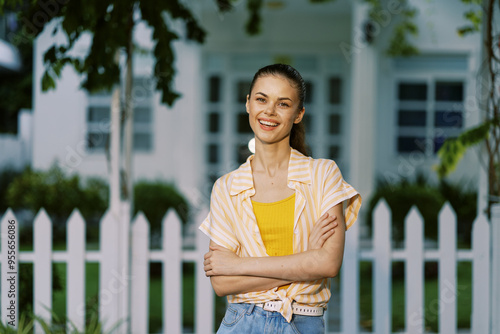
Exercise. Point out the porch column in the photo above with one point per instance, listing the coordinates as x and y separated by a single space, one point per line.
362 58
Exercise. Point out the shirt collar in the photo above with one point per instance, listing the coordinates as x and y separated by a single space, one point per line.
243 179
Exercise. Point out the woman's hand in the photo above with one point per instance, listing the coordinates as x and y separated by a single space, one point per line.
322 230
220 261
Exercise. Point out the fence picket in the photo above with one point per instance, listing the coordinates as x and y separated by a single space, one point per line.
481 276
75 272
10 310
204 292
382 268
350 282
140 271
447 270
172 246
110 280
414 286
42 267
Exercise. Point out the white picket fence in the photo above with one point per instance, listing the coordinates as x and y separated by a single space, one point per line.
116 282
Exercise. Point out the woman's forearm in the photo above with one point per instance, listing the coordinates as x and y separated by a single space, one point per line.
231 285
305 266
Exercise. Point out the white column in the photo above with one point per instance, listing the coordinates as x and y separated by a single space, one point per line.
362 58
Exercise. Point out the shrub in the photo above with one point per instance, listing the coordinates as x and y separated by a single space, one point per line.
429 200
59 195
156 198
6 177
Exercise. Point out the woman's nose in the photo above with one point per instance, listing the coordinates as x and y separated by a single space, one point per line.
270 110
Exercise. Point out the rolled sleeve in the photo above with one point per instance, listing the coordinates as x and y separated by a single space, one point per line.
336 191
217 226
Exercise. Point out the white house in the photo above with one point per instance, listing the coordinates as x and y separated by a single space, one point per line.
376 116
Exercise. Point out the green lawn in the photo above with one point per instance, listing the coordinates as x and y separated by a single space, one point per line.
155 295
431 299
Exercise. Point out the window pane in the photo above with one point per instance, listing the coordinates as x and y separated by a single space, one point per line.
214 88
97 140
438 142
411 144
242 153
412 91
142 141
448 119
142 115
309 92
334 87
243 123
213 153
334 127
98 114
243 89
449 91
307 120
141 89
334 152
412 118
213 122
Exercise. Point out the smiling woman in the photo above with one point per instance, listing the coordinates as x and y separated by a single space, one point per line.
277 224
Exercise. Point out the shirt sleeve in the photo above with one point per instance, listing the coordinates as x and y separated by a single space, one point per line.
217 226
336 191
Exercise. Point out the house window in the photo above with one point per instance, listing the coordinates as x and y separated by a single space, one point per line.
212 153
213 122
428 112
99 118
214 88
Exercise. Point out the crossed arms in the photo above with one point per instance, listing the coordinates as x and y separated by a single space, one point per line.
231 274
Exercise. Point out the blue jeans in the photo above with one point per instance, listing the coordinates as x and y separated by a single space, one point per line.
251 319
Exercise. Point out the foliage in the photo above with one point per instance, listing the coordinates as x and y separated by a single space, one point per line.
57 326
454 149
399 44
6 177
57 193
474 16
154 199
487 133
428 199
110 23
26 285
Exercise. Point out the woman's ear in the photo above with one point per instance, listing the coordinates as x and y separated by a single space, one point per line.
299 117
248 102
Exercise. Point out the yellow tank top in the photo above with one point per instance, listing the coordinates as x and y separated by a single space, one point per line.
275 221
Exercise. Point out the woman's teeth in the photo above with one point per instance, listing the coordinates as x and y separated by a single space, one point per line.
267 123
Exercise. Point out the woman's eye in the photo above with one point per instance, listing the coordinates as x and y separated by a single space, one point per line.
283 104
260 99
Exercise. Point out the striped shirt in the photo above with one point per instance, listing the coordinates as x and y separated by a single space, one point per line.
231 222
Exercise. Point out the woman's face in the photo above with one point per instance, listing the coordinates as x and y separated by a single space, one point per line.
273 108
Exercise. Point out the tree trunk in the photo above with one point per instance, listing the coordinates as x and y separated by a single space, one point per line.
129 120
114 182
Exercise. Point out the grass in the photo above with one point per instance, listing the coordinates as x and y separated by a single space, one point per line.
431 298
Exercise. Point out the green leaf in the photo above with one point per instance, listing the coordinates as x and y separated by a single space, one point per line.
253 25
48 82
454 149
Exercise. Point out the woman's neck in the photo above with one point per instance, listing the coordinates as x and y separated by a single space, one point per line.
269 159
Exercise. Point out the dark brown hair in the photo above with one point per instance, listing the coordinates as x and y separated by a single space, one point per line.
298 133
